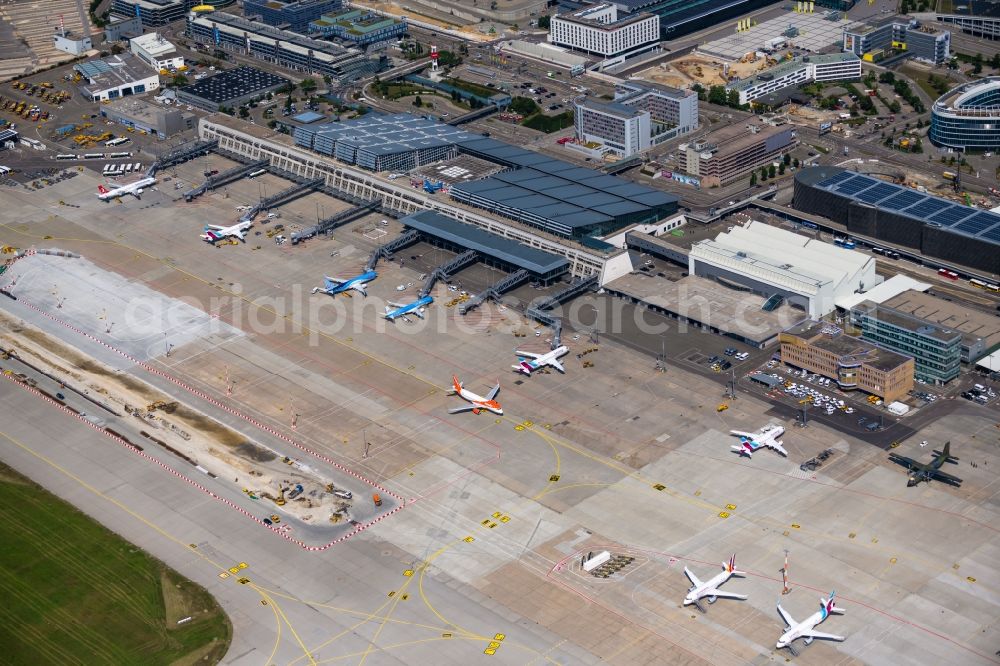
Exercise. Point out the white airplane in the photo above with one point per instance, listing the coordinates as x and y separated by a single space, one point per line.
214 233
135 189
767 437
334 286
805 629
540 360
699 590
477 403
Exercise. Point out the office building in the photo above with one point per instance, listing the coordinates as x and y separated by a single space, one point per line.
900 216
283 48
936 351
784 266
358 26
158 13
116 76
121 28
230 88
731 153
875 41
293 15
968 117
599 30
675 110
619 129
796 72
980 330
681 17
156 51
161 121
824 349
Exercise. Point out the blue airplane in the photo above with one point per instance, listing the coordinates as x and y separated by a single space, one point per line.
401 309
333 286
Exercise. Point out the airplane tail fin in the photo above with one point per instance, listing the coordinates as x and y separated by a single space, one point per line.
103 190
457 385
730 566
946 452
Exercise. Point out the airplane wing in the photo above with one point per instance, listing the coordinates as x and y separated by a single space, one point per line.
722 594
903 460
525 354
820 634
748 435
493 392
789 621
778 447
691 577
459 410
947 478
213 227
396 305
333 281
360 288
557 365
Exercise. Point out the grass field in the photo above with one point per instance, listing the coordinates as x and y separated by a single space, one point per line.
75 593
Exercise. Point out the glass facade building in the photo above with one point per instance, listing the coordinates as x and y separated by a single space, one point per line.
295 15
968 117
936 351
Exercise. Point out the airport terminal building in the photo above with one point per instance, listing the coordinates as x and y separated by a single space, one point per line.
901 216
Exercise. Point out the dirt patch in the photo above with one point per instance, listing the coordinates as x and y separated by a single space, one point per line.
253 452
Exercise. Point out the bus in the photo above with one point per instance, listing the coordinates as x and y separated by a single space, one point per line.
846 243
66 156
93 156
128 168
944 272
258 172
117 142
117 155
810 225
982 284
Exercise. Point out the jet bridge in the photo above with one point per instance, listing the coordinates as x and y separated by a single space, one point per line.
338 220
496 291
445 271
224 178
571 291
291 193
408 237
183 154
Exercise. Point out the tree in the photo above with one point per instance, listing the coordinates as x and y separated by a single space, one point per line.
995 61
717 95
116 49
770 171
887 77
763 173
733 98
243 112
179 80
417 102
268 96
524 106
700 89
795 163
753 179
544 22
787 159
781 169
327 79
307 86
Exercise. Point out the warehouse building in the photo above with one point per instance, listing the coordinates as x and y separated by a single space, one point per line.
68 42
934 226
797 72
599 30
294 15
139 114
731 153
156 51
120 29
116 76
824 349
358 26
235 34
936 351
783 266
230 88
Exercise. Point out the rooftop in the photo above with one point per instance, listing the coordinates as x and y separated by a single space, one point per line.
611 108
737 137
234 83
635 88
901 200
141 109
465 235
462 169
971 323
909 323
583 17
826 336
881 293
380 134
789 66
709 303
114 70
154 44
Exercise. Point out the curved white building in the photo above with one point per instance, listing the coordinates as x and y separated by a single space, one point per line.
968 117
779 264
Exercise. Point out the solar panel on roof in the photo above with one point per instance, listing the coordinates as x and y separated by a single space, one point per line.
877 193
928 207
855 185
992 234
902 200
976 223
951 215
833 180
